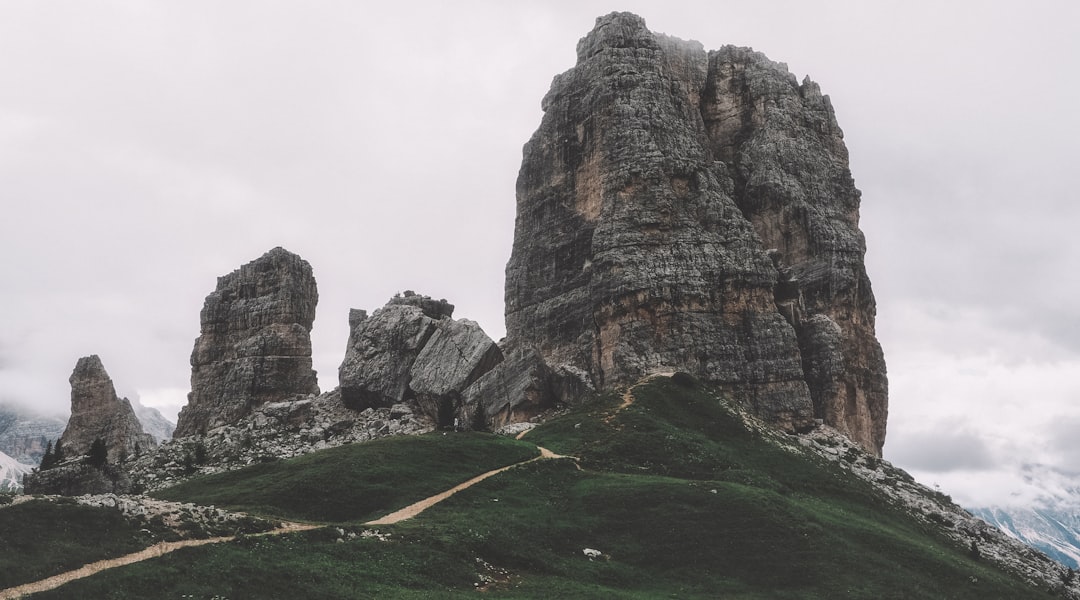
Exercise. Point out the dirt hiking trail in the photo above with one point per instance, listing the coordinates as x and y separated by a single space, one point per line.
164 548
412 510
628 395
154 551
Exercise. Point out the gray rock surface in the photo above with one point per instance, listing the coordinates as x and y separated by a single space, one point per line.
97 413
520 388
691 210
412 350
255 342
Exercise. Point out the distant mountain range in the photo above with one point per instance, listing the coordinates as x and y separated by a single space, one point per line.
25 434
1052 522
153 421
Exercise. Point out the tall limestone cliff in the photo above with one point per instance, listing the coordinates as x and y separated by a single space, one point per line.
255 342
692 210
97 413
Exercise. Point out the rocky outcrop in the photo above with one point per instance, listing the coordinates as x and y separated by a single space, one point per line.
78 477
520 388
273 431
686 209
97 413
412 350
255 342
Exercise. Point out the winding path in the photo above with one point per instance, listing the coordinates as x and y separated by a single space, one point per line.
154 551
412 510
164 548
628 395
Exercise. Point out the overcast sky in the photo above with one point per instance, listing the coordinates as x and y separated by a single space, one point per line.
148 147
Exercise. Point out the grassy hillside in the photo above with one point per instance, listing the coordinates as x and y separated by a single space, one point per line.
678 497
355 482
39 539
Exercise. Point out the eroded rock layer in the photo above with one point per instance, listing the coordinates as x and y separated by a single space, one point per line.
97 413
255 342
693 210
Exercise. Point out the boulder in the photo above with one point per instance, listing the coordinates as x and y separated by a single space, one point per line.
412 350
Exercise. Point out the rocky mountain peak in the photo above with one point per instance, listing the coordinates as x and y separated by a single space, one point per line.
686 209
255 342
98 413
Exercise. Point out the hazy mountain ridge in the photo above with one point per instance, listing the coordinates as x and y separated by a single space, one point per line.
24 434
1051 522
153 421
1055 532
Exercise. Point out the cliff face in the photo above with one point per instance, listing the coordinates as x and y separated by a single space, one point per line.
97 413
686 209
255 342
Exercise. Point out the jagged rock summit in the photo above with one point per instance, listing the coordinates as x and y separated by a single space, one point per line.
97 413
692 210
255 342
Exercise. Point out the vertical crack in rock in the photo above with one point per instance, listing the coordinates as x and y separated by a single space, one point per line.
686 209
255 342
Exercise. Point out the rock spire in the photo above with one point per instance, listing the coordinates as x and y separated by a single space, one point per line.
97 413
255 342
693 210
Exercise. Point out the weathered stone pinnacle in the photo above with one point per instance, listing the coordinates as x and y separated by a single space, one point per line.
693 210
255 344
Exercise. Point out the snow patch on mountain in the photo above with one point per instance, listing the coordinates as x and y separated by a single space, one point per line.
1051 522
11 473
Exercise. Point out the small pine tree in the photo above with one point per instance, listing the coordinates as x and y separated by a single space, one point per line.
49 459
974 552
200 453
58 452
189 463
98 456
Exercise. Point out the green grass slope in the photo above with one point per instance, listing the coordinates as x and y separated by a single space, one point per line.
39 539
679 497
357 482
